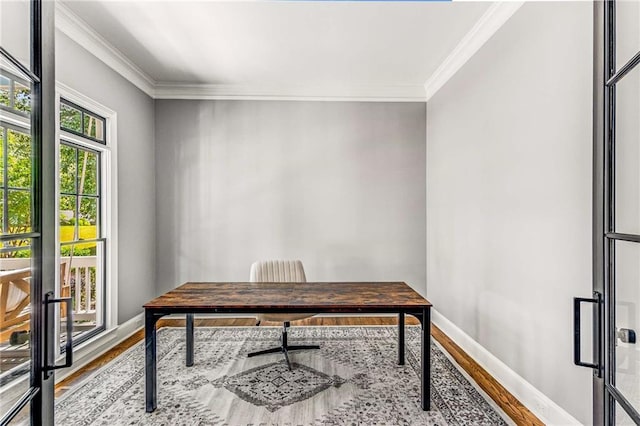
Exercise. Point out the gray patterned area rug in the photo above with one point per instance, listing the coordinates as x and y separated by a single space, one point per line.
352 380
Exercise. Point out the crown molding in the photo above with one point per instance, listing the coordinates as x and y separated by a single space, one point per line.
488 24
365 93
80 32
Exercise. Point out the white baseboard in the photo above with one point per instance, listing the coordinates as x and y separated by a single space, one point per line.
538 403
93 348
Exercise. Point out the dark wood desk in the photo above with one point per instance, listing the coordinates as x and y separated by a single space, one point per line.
289 298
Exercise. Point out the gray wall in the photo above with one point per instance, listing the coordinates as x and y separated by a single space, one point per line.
509 196
339 185
80 70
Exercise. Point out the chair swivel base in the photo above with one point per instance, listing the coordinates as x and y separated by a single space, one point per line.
285 348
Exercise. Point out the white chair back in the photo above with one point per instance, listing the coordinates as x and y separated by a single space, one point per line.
273 271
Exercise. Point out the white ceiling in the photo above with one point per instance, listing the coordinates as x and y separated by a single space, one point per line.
285 46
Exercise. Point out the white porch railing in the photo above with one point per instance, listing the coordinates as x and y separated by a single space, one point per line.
78 279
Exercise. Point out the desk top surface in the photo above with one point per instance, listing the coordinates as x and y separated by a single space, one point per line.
321 296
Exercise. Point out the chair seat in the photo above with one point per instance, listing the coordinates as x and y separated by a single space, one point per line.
283 317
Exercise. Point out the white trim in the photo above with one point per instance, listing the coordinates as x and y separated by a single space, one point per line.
379 93
80 32
83 100
93 348
16 120
488 24
542 406
109 189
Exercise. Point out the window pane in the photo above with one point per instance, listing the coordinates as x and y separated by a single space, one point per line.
88 181
88 218
4 91
19 159
2 230
622 418
67 169
627 30
70 118
15 26
23 417
82 280
15 275
93 127
627 154
2 130
627 292
67 218
100 129
21 97
19 203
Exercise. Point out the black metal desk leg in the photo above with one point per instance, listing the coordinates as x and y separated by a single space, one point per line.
401 338
426 359
189 340
150 388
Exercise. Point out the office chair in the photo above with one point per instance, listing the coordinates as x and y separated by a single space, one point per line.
286 271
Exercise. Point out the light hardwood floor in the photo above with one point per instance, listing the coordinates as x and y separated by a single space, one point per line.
505 400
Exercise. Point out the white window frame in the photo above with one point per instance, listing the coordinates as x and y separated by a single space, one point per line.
109 188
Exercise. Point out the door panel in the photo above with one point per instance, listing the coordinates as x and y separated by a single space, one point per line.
627 298
616 211
622 418
15 322
15 27
627 154
627 30
622 259
27 154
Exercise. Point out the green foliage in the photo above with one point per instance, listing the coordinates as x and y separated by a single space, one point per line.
19 159
4 96
70 118
65 251
22 98
72 221
19 250
22 254
21 94
18 164
78 172
79 186
78 176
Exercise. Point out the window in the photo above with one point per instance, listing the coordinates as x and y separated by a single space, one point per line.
17 226
81 242
84 215
81 122
15 94
16 180
15 176
15 161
